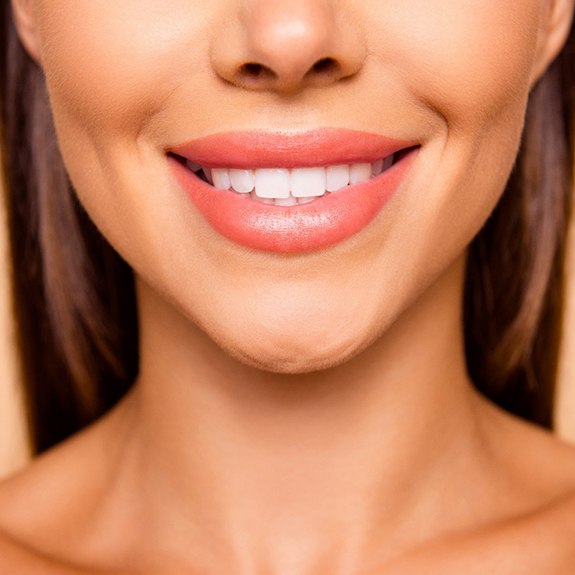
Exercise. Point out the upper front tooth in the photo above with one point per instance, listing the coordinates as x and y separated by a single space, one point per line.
242 180
272 183
308 182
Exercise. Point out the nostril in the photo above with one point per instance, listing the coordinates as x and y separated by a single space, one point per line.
255 70
255 75
252 69
324 66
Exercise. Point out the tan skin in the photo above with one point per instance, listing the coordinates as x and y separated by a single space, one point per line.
261 437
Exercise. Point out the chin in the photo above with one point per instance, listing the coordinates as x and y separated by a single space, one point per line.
282 354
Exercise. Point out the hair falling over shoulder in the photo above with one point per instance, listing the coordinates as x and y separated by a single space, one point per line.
74 298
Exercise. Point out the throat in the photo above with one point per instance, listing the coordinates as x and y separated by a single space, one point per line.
349 459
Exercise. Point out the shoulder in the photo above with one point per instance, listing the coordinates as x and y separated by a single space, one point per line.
540 544
45 508
527 523
19 510
17 557
536 536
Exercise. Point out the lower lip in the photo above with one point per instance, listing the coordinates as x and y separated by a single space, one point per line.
325 222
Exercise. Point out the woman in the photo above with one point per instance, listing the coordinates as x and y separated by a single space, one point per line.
307 192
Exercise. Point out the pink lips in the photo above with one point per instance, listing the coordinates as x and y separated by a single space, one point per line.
302 228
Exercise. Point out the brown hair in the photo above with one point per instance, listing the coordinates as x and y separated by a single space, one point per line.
74 296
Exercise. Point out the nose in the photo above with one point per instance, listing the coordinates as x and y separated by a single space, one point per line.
287 45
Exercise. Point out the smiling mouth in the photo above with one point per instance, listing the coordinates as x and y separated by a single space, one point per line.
288 187
291 193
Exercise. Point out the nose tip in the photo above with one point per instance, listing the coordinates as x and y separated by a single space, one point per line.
286 45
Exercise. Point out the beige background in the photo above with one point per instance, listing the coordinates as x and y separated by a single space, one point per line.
13 448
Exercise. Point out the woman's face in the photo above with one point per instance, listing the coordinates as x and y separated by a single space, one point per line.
131 81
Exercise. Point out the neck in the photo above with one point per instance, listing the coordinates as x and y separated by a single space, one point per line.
308 469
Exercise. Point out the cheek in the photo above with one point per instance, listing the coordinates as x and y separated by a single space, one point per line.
469 62
467 59
110 65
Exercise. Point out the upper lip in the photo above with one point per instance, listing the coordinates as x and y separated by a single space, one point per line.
264 149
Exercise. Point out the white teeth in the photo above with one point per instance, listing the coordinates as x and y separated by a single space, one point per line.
337 178
285 187
208 174
253 196
305 200
359 173
242 181
272 183
221 179
307 182
288 202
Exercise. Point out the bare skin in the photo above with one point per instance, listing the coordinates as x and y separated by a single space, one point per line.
274 429
288 480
